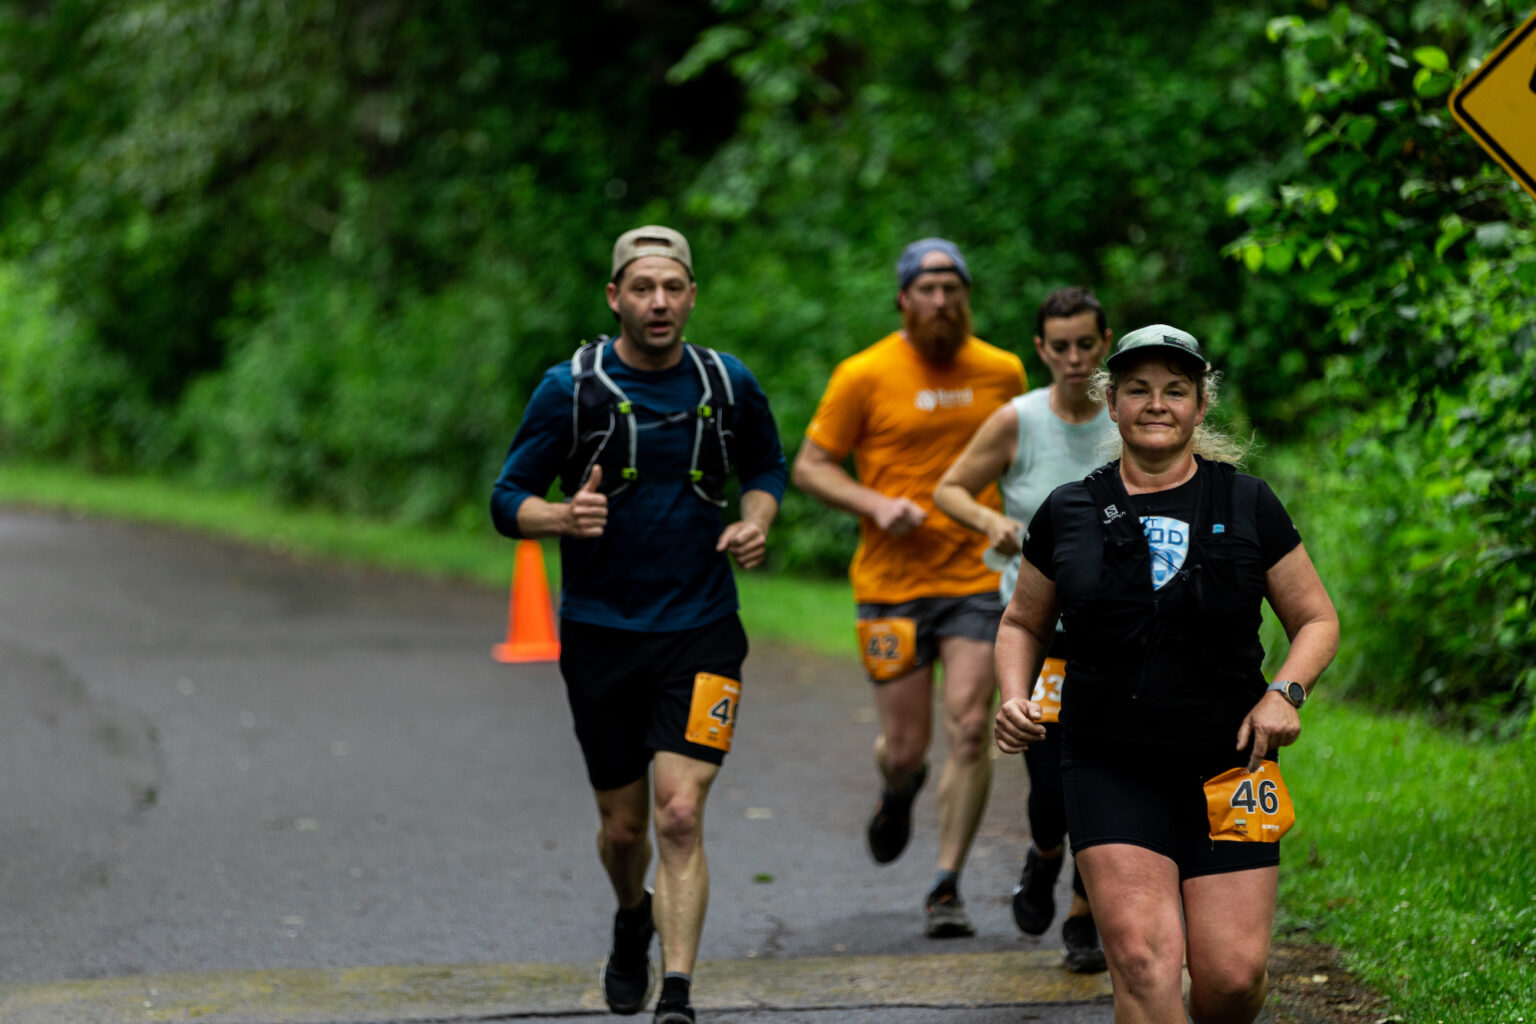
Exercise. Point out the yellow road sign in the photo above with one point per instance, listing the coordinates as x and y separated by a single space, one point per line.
1497 105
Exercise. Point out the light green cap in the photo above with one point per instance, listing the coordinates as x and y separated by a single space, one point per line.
1154 337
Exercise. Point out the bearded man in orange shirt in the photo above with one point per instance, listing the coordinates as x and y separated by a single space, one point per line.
905 408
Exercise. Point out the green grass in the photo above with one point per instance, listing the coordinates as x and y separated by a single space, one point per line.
1412 853
1412 847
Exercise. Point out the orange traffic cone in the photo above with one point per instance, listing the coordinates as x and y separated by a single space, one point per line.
531 617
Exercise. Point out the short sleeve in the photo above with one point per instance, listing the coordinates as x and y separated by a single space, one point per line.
1277 534
1040 541
839 419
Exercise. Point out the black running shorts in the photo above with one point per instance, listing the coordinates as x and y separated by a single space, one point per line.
631 693
891 653
1151 795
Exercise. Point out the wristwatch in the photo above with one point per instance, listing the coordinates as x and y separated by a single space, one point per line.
1291 691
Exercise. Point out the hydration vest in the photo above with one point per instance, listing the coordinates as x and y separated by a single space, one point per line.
604 432
1121 628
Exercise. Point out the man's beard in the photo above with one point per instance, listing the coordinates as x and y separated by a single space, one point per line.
938 336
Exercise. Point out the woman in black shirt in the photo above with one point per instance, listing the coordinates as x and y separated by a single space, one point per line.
1157 565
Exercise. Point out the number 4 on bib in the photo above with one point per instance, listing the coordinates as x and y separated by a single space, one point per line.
712 714
1249 807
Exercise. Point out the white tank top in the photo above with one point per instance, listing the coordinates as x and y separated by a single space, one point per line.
1051 452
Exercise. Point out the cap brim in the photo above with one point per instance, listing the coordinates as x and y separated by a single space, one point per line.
1119 360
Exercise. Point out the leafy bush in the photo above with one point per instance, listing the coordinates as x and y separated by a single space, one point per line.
1429 493
61 396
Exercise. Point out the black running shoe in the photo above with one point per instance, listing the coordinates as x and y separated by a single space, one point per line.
891 825
1034 899
673 1013
1080 945
946 913
628 978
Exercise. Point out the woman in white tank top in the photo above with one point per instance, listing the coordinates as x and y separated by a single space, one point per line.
1038 441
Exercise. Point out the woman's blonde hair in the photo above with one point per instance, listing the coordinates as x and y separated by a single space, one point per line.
1208 442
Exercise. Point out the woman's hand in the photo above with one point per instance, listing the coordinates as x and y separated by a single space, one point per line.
1018 725
1271 724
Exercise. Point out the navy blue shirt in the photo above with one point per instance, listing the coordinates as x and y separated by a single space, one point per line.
655 567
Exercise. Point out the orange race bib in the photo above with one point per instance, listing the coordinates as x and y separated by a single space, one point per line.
1047 691
712 715
1249 807
888 647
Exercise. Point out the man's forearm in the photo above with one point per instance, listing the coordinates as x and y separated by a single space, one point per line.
537 517
834 487
759 508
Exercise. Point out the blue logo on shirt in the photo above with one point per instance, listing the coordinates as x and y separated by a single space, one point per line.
1169 541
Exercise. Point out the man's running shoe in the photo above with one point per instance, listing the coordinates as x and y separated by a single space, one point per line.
946 913
673 1013
1034 900
628 978
891 825
1080 945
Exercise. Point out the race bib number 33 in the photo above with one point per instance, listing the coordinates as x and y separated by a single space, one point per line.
1249 807
712 715
1047 691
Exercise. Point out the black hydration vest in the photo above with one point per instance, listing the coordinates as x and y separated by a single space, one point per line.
1201 667
604 433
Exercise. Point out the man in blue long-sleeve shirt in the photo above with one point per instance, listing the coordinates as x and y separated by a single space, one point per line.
643 430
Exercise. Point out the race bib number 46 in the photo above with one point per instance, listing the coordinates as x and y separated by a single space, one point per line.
712 715
888 647
1249 807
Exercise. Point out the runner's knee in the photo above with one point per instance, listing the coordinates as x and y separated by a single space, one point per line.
1141 962
623 832
1228 993
903 753
679 819
969 734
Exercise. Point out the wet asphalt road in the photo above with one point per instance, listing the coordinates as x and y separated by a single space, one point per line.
215 758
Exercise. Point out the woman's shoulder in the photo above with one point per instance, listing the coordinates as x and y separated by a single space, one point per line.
1072 496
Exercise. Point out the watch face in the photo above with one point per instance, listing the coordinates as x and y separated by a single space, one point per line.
1295 694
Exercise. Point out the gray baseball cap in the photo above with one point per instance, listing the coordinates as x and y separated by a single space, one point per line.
1154 337
911 263
651 240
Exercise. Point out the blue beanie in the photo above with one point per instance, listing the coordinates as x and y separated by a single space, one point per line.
911 263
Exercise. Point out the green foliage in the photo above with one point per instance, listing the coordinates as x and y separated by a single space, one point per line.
329 399
60 395
1409 855
1424 256
181 155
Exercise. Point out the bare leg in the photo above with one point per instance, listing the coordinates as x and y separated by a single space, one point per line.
624 838
969 684
905 706
682 877
1136 902
1230 917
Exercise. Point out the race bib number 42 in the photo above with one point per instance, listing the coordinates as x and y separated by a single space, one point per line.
888 647
712 715
1249 807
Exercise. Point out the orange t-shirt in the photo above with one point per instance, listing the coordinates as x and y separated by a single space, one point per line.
906 420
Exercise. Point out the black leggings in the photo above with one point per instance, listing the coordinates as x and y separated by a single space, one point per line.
1047 803
1047 800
